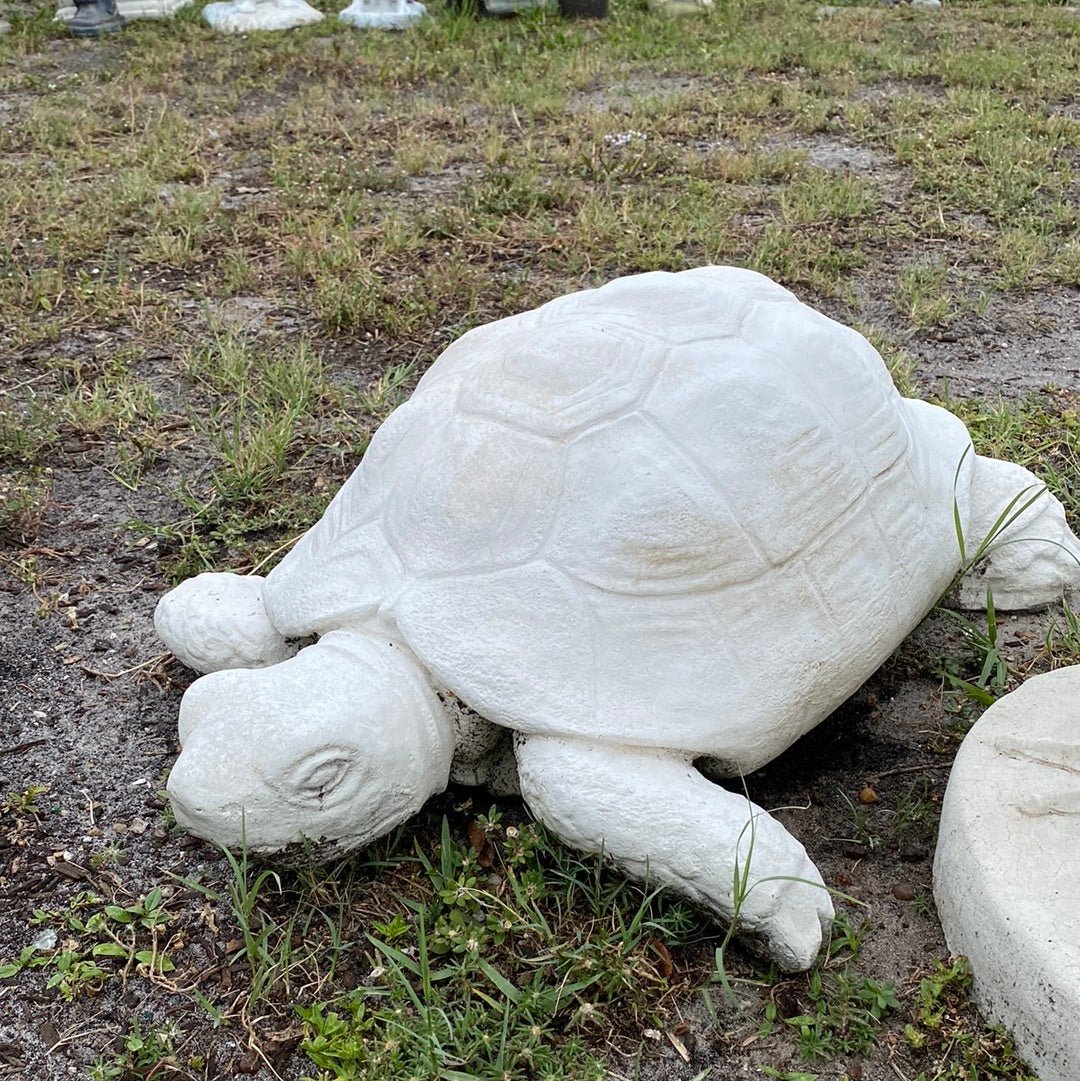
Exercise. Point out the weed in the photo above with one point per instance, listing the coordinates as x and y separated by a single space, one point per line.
24 802
863 819
818 197
25 433
915 815
143 1054
479 981
1062 639
954 1044
923 904
742 887
923 294
109 856
265 944
1021 502
842 1014
994 672
96 932
836 1011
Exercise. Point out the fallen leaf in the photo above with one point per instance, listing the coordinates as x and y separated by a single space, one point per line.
70 870
682 1039
207 917
481 843
665 966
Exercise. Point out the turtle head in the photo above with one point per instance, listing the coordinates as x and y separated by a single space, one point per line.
335 747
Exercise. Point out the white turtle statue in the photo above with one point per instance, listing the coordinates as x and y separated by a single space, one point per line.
668 523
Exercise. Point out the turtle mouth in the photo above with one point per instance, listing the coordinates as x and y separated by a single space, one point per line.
201 809
228 825
203 819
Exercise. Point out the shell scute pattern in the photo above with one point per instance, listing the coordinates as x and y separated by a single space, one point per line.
666 528
528 383
467 509
840 370
474 632
738 413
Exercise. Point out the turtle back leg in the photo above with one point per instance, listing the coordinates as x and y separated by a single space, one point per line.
1032 556
217 621
657 819
483 752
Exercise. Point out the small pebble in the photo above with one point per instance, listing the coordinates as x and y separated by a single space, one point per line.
904 891
248 1063
45 940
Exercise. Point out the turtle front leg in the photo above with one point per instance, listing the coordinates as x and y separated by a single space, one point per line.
656 818
1031 562
217 621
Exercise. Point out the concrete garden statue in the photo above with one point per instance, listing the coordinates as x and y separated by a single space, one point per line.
241 16
1007 867
382 14
244 15
90 18
654 530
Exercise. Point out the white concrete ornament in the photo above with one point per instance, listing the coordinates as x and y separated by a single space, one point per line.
131 9
382 14
1007 867
682 516
242 16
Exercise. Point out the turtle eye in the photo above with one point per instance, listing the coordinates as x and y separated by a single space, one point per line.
317 777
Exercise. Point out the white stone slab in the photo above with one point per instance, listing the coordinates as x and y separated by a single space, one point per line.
382 14
239 16
133 9
1007 869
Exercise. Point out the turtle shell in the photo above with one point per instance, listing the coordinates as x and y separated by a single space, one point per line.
680 510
